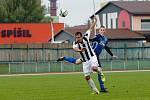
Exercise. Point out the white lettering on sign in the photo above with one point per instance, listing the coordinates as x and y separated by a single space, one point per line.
110 20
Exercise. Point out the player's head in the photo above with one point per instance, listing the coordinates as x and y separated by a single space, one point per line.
78 37
102 30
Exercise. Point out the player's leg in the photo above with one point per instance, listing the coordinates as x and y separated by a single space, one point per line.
78 61
87 71
102 87
91 84
101 74
98 70
70 59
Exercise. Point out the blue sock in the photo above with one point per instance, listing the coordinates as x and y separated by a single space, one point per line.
100 81
70 59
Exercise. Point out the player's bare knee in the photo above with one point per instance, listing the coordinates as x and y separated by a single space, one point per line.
95 68
87 77
78 61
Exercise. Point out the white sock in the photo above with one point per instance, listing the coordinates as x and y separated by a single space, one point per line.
99 69
92 85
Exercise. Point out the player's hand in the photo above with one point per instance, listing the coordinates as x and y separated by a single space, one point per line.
114 57
95 18
83 49
79 50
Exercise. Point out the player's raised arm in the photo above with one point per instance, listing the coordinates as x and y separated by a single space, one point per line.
87 34
93 24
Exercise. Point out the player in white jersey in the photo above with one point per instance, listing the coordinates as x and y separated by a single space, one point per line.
89 59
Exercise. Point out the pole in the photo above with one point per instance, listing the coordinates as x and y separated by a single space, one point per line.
94 15
94 6
52 28
51 23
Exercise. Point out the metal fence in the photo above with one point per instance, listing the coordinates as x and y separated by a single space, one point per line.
53 66
40 58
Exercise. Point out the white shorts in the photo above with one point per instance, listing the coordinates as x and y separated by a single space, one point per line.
87 66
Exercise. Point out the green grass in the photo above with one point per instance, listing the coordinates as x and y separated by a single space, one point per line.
121 86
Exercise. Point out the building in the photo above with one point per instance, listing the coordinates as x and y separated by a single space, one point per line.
132 15
125 14
27 33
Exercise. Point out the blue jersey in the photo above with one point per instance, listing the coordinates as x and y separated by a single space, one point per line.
98 43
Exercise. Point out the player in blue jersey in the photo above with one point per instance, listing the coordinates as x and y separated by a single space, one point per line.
100 42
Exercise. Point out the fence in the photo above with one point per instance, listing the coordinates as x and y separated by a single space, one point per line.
53 66
42 58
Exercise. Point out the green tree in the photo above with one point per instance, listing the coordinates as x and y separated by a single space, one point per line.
21 11
47 19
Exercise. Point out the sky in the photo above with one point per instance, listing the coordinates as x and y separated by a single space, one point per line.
79 11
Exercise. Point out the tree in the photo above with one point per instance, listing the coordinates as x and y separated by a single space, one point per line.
21 11
47 19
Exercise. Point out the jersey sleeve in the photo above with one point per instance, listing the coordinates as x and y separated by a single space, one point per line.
87 34
96 38
75 45
108 50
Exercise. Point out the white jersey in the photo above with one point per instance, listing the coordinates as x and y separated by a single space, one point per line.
89 52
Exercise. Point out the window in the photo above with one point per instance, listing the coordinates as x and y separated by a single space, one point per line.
53 5
145 24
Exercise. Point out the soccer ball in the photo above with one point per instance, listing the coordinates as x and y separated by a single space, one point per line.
63 12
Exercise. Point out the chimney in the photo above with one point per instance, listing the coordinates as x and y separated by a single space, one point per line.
53 8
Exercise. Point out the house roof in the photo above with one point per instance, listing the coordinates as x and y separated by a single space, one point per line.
112 34
134 7
73 30
123 34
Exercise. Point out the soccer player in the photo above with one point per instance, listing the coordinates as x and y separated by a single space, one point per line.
89 59
100 42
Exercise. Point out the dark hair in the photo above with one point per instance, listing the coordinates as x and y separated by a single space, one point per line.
78 33
102 27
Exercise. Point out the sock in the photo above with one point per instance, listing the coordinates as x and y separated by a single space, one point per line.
70 59
92 85
100 81
99 69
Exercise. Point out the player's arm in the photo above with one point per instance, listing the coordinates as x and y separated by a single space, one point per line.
95 38
109 51
77 49
87 34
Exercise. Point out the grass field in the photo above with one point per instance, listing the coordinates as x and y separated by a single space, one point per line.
121 86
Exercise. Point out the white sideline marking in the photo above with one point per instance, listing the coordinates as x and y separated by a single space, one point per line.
127 71
62 73
57 73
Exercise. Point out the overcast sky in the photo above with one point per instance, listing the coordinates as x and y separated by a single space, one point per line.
78 10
